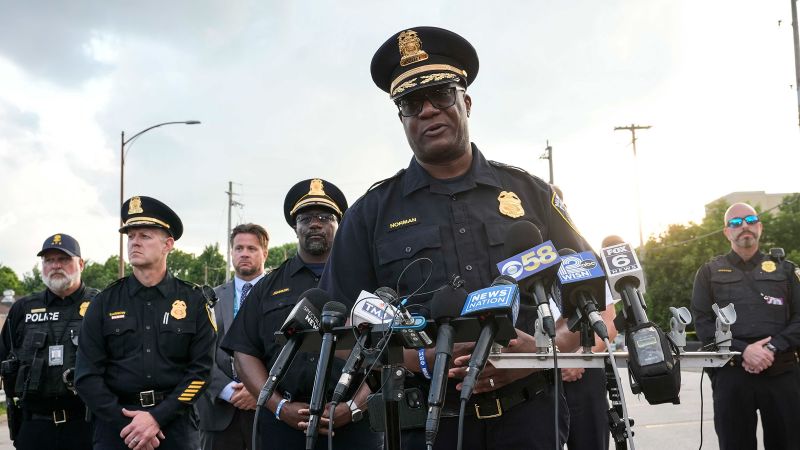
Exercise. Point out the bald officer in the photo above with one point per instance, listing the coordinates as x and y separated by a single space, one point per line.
147 344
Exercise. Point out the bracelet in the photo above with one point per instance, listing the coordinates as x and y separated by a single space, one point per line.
423 364
278 409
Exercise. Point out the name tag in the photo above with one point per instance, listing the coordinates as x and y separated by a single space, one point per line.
56 355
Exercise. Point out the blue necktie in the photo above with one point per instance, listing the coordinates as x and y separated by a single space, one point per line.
245 290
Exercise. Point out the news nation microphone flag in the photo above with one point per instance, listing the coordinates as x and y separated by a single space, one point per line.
493 299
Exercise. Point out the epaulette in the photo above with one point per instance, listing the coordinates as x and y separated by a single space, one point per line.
508 166
378 183
114 283
91 292
205 290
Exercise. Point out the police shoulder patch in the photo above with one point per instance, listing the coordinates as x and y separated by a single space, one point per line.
212 317
797 273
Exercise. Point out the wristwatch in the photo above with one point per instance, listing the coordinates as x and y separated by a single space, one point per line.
355 413
771 348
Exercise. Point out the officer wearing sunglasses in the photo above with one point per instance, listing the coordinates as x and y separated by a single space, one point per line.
766 294
447 214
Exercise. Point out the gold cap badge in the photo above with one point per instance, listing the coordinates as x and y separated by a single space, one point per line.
83 308
57 239
135 207
410 48
178 309
510 204
316 187
768 266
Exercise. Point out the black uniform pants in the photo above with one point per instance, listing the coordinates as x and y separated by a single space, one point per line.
41 433
180 434
238 435
737 397
277 435
588 411
527 426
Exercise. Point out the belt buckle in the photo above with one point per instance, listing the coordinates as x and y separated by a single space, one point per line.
147 398
489 416
59 416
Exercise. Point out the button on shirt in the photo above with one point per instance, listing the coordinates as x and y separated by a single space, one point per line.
138 338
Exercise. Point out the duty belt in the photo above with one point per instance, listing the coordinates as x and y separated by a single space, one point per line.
145 399
492 404
57 416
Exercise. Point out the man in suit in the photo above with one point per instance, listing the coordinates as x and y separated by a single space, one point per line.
227 409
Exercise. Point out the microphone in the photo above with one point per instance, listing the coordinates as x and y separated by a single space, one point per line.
626 277
536 263
445 306
334 314
411 328
368 311
580 281
502 298
304 316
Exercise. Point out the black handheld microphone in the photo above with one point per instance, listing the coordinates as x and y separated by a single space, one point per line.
501 298
445 305
580 282
304 316
334 314
522 236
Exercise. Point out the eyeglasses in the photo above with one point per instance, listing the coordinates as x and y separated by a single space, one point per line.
736 222
305 219
441 98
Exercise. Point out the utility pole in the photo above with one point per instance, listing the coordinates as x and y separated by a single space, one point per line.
796 42
548 155
231 204
632 128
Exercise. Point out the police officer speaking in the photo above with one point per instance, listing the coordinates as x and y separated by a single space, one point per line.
38 348
147 345
766 293
447 214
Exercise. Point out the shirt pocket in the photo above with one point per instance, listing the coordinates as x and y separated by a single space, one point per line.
274 312
726 287
120 337
496 238
175 339
403 251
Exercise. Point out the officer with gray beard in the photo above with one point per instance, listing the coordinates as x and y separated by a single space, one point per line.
38 348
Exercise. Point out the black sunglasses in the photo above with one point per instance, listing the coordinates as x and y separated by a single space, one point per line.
736 222
305 219
441 98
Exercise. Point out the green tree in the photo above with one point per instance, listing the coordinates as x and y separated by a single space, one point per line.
279 254
208 268
32 281
99 276
9 280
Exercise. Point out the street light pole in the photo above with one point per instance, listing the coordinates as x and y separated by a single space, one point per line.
122 143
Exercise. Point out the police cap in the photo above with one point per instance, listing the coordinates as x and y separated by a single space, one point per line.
141 211
313 192
63 242
420 57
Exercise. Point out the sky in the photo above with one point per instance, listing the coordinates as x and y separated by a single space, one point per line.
284 93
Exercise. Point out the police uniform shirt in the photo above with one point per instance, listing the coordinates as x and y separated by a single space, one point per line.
766 295
267 307
138 338
47 308
430 229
